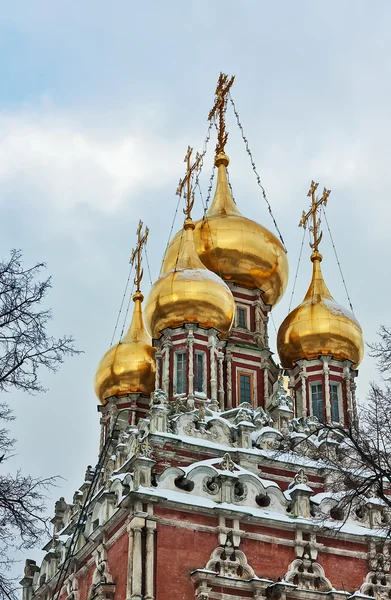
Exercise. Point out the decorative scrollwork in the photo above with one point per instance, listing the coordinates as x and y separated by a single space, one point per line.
210 485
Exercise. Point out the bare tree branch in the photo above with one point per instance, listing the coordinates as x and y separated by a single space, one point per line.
25 347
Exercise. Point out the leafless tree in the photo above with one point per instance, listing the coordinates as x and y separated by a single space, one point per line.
356 459
25 344
25 347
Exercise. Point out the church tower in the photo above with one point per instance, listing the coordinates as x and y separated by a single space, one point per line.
320 343
203 488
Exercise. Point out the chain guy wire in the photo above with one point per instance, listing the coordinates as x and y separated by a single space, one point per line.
147 261
297 271
126 313
80 523
121 306
337 259
274 325
230 186
256 172
204 150
205 203
170 233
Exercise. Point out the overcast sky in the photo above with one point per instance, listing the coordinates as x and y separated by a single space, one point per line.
98 103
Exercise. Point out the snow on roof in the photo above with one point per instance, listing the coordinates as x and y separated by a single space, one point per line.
215 462
261 513
288 458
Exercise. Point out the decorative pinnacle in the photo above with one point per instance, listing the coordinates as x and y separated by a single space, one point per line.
136 254
224 84
316 203
187 181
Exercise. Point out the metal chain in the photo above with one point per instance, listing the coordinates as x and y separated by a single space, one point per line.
230 186
121 306
256 172
126 314
202 155
201 163
297 271
147 261
338 263
210 186
274 325
170 234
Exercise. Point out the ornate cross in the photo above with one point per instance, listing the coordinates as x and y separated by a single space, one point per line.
187 180
224 84
136 254
313 211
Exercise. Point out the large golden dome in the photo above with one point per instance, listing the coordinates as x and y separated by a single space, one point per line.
236 248
319 326
189 293
128 367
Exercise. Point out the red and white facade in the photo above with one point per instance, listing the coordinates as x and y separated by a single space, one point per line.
198 491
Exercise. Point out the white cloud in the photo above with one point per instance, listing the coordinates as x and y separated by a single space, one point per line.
64 163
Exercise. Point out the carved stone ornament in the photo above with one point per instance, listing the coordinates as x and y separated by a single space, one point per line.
227 463
378 581
377 585
280 397
307 575
211 485
143 449
301 478
229 562
101 576
158 397
72 589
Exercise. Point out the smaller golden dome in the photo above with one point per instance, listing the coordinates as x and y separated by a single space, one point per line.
236 248
319 326
128 367
189 293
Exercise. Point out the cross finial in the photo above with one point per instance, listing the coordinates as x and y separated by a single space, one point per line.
136 254
313 211
224 84
187 181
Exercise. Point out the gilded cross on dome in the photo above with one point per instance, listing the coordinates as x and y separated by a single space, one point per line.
316 203
224 84
136 254
187 181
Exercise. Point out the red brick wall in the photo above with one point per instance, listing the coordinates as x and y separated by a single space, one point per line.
85 582
268 560
344 572
179 552
117 557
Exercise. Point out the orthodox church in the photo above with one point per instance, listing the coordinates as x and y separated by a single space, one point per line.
206 485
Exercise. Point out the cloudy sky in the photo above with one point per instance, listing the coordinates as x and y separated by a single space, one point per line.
98 103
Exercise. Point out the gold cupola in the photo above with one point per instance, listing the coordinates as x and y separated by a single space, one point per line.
236 248
188 292
129 367
319 326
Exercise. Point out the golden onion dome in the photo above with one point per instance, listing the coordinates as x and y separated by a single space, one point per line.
189 293
319 326
128 367
236 248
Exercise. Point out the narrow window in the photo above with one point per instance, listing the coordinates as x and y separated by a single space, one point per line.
245 387
242 321
334 399
180 372
317 401
199 371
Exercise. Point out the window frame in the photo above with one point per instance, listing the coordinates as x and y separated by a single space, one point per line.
203 357
337 384
245 310
249 374
312 384
176 354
